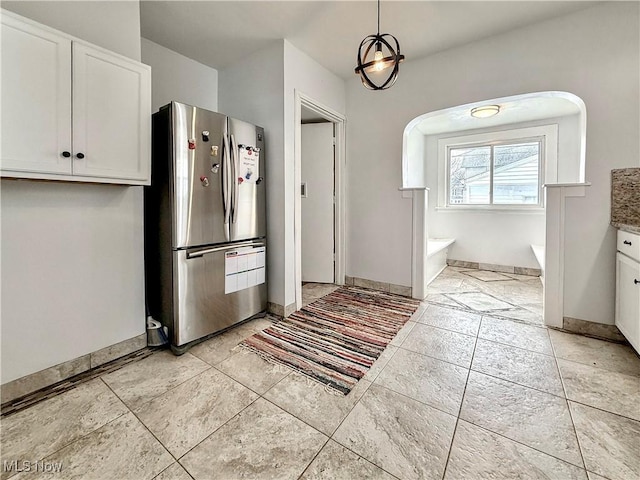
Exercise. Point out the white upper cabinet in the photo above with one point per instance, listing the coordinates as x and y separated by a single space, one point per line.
109 130
70 110
36 99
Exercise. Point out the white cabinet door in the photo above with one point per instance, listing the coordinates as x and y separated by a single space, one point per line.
36 99
628 298
111 120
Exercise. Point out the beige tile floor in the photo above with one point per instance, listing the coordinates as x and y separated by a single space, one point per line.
313 291
470 388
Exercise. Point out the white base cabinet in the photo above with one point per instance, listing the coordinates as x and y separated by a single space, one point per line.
628 288
70 110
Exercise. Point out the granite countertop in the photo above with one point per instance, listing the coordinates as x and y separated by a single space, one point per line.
626 228
625 199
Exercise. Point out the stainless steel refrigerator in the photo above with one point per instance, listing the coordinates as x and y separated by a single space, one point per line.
205 225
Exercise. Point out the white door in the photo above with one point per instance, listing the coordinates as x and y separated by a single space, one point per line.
36 99
317 203
111 121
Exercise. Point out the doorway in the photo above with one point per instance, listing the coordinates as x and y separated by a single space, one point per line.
317 194
563 179
319 200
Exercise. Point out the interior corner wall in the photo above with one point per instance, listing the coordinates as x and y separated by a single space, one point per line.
253 90
302 74
179 78
593 53
72 254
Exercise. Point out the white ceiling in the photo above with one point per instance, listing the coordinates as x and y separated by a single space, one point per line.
513 110
217 33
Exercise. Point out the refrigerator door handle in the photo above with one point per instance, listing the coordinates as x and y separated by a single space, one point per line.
226 182
206 251
234 178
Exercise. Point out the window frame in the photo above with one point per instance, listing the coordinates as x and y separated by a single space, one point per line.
539 140
547 135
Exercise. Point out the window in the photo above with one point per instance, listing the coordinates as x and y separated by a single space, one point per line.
496 174
497 170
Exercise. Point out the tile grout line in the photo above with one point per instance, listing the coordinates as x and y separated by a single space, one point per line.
331 437
85 434
573 423
637 377
175 463
349 413
261 396
166 391
602 410
247 386
146 428
482 427
502 435
363 458
221 425
304 421
422 402
209 367
488 339
214 431
314 458
435 358
464 392
490 313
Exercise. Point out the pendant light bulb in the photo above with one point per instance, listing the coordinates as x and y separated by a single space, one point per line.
378 55
378 65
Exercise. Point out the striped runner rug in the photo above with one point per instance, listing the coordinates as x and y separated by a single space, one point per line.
335 339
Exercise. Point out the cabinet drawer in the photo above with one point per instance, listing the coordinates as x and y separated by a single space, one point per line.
629 244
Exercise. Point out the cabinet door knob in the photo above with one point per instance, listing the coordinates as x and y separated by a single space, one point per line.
80 155
636 281
627 242
66 154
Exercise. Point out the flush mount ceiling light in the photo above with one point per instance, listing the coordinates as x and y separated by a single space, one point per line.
378 56
485 111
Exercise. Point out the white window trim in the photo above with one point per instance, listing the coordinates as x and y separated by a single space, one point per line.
549 164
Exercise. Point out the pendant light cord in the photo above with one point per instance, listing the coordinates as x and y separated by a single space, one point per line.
378 17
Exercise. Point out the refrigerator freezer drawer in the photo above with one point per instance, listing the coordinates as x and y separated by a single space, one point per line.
203 299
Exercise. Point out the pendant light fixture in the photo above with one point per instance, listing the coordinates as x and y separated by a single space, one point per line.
378 55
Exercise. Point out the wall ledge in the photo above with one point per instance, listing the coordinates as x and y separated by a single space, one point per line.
565 185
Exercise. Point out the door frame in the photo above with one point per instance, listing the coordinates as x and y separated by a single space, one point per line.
339 121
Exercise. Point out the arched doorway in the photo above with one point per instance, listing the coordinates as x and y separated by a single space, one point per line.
563 174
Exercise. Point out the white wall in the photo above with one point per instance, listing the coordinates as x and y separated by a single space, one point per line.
305 75
497 237
253 90
111 25
593 53
72 254
261 90
178 78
